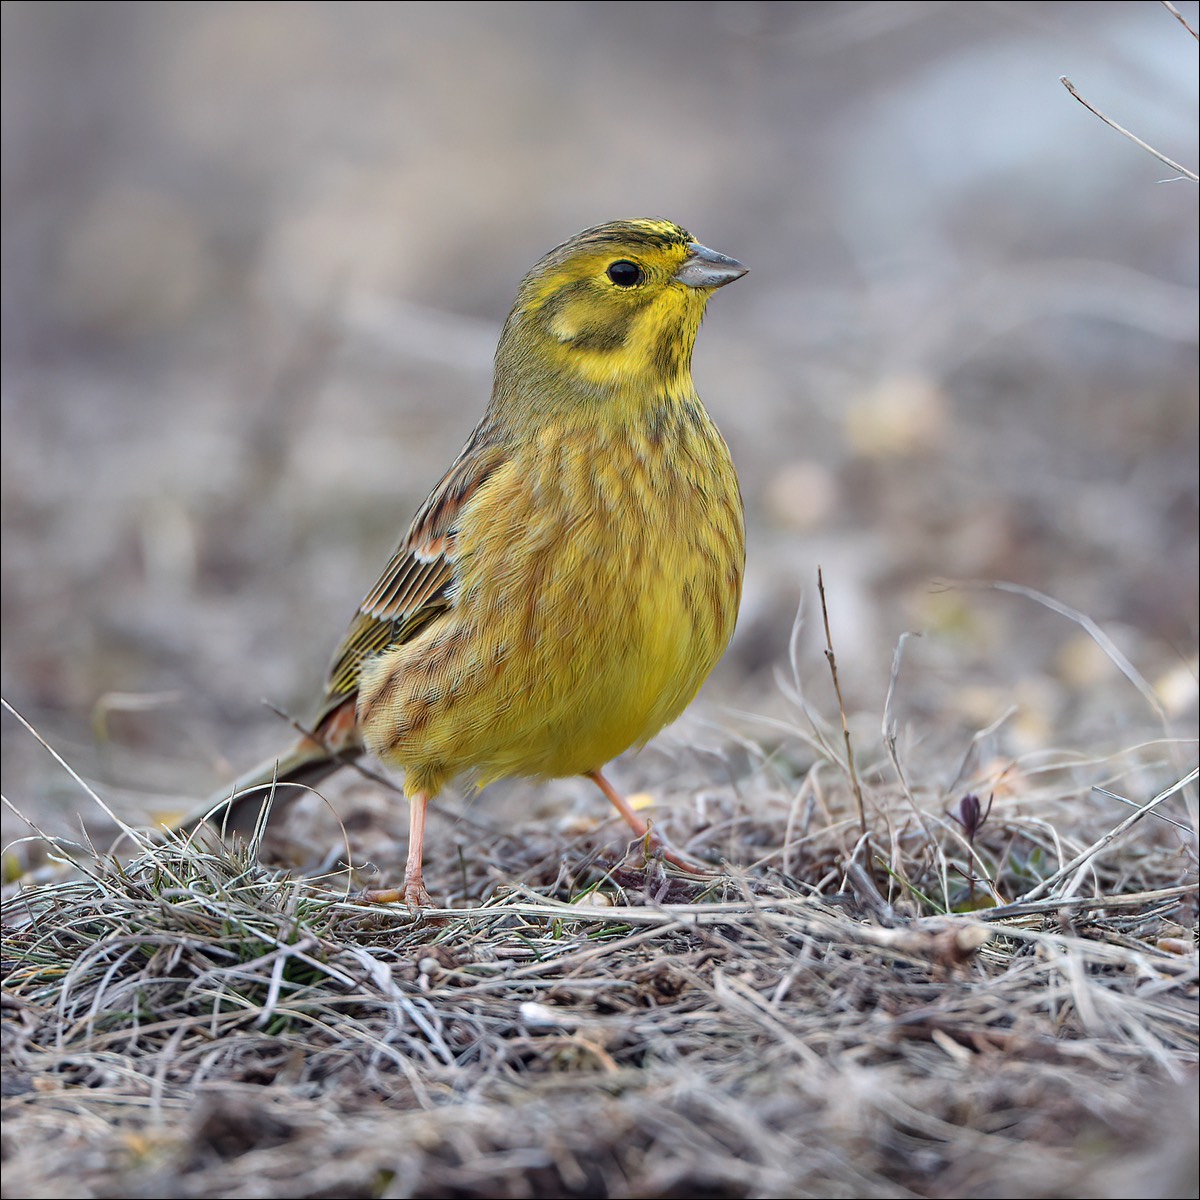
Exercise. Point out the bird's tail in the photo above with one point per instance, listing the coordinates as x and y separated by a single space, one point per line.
283 778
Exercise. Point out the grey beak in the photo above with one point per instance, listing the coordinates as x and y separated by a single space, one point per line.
705 268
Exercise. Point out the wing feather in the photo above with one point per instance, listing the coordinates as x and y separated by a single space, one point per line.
416 586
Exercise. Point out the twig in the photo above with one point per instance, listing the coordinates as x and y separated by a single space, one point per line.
1135 804
889 720
92 794
1089 626
976 739
837 687
1042 888
1180 18
864 889
1125 132
1131 900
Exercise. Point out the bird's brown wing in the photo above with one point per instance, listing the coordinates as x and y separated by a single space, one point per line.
415 587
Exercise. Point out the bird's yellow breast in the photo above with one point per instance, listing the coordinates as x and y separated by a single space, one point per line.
597 584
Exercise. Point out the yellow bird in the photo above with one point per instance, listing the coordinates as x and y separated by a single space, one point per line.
574 577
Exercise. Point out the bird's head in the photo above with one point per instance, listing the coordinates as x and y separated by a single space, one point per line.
617 306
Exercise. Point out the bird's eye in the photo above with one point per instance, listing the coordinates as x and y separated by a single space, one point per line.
626 274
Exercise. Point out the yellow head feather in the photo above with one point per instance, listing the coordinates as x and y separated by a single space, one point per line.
606 312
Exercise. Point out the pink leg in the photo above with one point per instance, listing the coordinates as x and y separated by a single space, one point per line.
639 826
413 892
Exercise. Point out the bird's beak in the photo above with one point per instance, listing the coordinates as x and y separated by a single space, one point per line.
705 268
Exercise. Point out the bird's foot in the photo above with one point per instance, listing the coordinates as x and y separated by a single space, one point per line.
656 846
413 894
653 842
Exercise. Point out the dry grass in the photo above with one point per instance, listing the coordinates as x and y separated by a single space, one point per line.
838 1016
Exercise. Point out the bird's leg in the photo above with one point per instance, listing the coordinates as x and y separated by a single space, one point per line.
642 829
413 892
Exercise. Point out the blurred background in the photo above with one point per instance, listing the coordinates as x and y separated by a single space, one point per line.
256 257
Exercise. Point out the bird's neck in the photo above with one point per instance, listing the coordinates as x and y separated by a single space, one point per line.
564 381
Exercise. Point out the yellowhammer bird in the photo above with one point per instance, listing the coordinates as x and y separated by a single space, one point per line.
575 576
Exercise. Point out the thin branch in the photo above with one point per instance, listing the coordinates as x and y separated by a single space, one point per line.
1125 132
976 739
837 687
890 731
137 837
1078 861
1135 804
1089 626
1180 18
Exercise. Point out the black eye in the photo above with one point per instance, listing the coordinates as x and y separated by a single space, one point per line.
625 273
